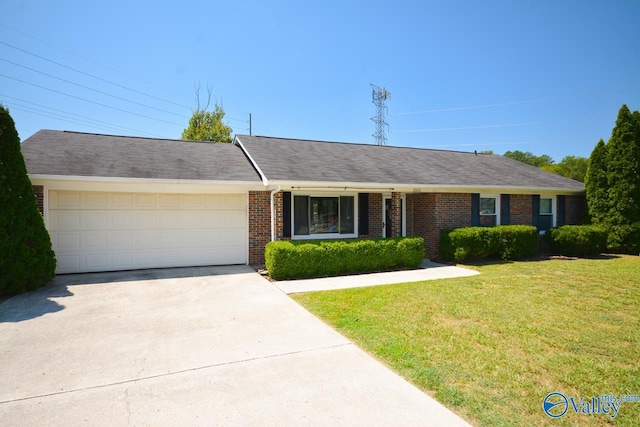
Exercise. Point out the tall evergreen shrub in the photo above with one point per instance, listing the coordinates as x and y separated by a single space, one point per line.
27 261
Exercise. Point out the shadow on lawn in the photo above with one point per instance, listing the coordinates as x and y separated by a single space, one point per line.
538 258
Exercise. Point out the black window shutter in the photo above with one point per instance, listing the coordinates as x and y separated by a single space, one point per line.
475 209
535 208
562 215
505 208
286 213
363 213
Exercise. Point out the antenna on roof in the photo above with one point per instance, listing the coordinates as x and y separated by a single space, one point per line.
380 95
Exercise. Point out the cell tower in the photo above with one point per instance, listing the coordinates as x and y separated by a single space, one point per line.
380 95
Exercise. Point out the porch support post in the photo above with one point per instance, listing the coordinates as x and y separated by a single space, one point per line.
396 214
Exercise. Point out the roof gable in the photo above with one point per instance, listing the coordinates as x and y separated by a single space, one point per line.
290 160
64 153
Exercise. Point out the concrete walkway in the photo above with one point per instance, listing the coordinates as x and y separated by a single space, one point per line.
428 271
214 346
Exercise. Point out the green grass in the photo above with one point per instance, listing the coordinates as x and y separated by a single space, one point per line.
491 347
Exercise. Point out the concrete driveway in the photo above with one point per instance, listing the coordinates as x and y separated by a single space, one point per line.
197 346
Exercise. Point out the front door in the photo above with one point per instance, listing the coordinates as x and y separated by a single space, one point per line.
387 230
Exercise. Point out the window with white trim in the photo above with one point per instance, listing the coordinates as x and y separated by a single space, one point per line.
489 210
545 221
324 216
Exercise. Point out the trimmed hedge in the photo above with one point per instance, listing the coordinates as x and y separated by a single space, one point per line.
508 241
317 258
577 240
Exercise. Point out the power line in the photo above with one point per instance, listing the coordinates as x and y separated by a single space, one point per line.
111 125
89 101
504 104
92 76
90 88
492 126
92 61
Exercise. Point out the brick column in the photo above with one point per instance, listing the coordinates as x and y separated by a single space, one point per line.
38 190
259 224
396 215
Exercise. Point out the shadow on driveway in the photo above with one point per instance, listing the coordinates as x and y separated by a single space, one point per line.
33 304
38 303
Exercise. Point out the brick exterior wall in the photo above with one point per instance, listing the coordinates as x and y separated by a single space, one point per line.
520 209
38 190
396 214
277 203
426 215
410 214
574 209
259 224
375 216
432 212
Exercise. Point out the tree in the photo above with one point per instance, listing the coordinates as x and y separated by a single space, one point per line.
596 184
613 183
207 125
571 167
623 169
529 158
27 261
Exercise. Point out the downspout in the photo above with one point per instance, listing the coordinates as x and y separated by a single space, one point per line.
273 213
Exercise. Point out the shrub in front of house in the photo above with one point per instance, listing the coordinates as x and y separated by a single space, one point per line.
321 258
507 241
27 261
577 240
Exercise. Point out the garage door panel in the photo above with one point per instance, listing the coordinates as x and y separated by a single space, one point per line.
120 241
95 240
67 263
65 220
99 231
145 220
145 200
190 219
121 200
94 220
95 200
67 242
96 261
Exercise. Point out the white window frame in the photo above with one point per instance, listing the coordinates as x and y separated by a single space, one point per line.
326 236
553 210
403 199
490 196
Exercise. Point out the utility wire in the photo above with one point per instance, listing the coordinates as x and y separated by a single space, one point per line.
491 126
93 76
92 61
504 104
89 101
90 88
72 115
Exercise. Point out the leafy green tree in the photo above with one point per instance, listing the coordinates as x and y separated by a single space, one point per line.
596 184
27 261
571 167
530 158
207 125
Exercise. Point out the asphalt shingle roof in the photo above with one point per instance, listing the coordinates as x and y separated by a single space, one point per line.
283 159
51 152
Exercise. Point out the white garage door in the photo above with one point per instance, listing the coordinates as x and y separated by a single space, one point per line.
95 231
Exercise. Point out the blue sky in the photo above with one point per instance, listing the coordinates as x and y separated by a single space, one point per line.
540 76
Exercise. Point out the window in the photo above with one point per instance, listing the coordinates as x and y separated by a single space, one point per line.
546 213
489 211
323 215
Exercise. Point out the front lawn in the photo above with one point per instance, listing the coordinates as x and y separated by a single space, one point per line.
492 346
